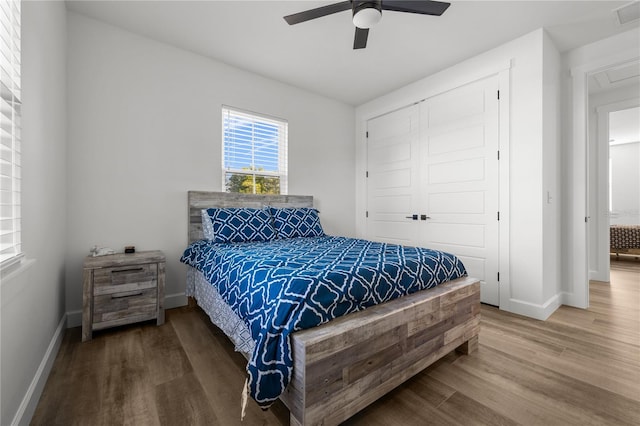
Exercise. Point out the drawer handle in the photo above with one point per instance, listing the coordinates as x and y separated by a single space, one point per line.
126 295
122 271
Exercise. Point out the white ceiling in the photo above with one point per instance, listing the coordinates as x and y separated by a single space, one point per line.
318 55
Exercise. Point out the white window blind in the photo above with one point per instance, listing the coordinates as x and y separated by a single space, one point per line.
10 241
254 153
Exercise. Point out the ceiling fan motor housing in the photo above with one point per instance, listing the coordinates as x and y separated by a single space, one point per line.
366 13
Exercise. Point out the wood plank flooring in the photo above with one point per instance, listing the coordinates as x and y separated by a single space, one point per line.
579 367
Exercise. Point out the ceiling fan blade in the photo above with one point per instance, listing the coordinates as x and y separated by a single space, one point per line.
360 39
318 12
426 7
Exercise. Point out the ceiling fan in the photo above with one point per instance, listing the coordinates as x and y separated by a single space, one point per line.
367 13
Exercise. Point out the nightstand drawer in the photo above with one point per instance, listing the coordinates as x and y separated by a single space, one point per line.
124 279
114 308
121 289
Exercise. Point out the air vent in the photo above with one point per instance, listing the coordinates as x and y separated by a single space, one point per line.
628 13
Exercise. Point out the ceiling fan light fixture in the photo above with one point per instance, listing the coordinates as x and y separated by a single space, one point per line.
366 17
366 13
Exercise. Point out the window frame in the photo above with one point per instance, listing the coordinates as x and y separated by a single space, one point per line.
11 139
282 155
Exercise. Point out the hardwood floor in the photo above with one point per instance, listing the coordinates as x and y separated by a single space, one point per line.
579 367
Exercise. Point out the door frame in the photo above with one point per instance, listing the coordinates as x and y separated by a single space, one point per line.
577 294
602 187
504 130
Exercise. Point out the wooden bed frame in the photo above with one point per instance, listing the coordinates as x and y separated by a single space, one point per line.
344 365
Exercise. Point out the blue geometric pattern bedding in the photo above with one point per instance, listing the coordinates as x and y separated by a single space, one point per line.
282 286
296 222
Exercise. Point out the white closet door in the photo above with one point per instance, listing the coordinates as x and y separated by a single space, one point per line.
392 183
458 165
433 178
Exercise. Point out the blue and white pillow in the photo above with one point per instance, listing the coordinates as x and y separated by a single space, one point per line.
207 225
296 222
239 225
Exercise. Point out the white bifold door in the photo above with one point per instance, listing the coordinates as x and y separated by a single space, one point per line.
432 178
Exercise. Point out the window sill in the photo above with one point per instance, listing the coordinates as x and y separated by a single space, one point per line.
14 267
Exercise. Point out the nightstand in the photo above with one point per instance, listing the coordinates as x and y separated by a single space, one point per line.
121 289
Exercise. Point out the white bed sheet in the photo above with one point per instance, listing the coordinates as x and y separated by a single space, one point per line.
219 312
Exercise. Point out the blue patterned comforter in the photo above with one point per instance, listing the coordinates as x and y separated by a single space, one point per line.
282 286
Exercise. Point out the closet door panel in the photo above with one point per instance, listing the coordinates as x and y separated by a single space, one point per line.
392 182
458 190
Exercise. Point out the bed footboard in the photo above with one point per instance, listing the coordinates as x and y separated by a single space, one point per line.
345 365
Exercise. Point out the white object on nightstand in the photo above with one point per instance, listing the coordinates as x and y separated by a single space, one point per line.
101 251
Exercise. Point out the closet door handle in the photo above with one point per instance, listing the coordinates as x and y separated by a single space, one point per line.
414 217
424 217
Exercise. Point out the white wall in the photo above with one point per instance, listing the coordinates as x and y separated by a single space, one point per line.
145 127
33 296
530 160
625 177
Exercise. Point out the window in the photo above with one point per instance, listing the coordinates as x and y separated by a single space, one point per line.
10 242
254 153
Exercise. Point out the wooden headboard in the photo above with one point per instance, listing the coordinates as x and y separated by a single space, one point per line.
198 200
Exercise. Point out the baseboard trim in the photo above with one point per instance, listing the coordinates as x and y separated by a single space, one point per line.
34 391
532 310
570 299
175 300
599 275
74 319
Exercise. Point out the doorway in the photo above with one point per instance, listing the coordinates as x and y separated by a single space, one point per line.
614 157
580 173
